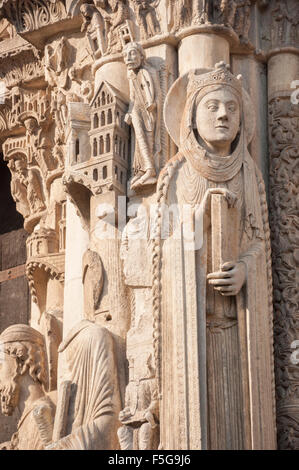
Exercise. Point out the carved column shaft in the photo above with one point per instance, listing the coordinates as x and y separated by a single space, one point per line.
283 69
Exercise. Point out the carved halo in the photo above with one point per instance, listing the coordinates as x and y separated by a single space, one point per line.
176 100
28 115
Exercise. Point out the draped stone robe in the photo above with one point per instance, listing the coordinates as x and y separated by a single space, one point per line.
217 372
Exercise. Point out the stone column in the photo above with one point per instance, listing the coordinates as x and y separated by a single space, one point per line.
202 50
283 69
76 244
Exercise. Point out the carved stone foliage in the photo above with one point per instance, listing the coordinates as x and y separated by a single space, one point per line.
21 103
284 221
29 15
22 68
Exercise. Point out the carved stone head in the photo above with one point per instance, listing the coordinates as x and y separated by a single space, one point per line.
134 56
30 125
20 167
22 357
217 117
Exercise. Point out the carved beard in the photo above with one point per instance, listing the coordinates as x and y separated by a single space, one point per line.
9 395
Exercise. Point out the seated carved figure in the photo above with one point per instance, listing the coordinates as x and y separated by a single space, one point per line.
94 400
23 384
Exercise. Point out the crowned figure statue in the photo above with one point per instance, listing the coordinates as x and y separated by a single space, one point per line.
212 285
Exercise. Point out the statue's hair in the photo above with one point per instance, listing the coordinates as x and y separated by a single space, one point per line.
29 357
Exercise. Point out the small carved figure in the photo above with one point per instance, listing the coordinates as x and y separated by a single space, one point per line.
143 114
114 13
59 111
147 18
281 18
19 187
34 191
23 386
30 179
242 20
56 63
180 14
207 11
141 407
89 14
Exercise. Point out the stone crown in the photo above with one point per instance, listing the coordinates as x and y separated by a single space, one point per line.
221 75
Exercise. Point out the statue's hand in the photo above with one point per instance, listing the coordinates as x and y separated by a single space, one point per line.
125 413
152 107
229 196
205 206
230 279
128 119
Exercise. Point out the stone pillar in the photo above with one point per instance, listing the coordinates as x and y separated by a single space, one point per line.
76 244
254 76
283 69
202 51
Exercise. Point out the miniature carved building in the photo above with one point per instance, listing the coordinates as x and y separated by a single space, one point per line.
109 138
149 224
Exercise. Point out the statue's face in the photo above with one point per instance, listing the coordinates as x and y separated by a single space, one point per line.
86 10
30 125
20 167
218 117
133 58
9 388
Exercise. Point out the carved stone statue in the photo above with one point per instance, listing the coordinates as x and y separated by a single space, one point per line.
89 398
147 18
180 13
212 292
18 187
87 418
114 13
23 386
144 114
26 187
141 412
242 19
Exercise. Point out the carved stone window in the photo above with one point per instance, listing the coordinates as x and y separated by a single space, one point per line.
108 143
104 172
96 121
101 143
95 147
95 175
109 118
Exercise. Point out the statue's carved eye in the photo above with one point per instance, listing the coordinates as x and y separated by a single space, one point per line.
212 107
